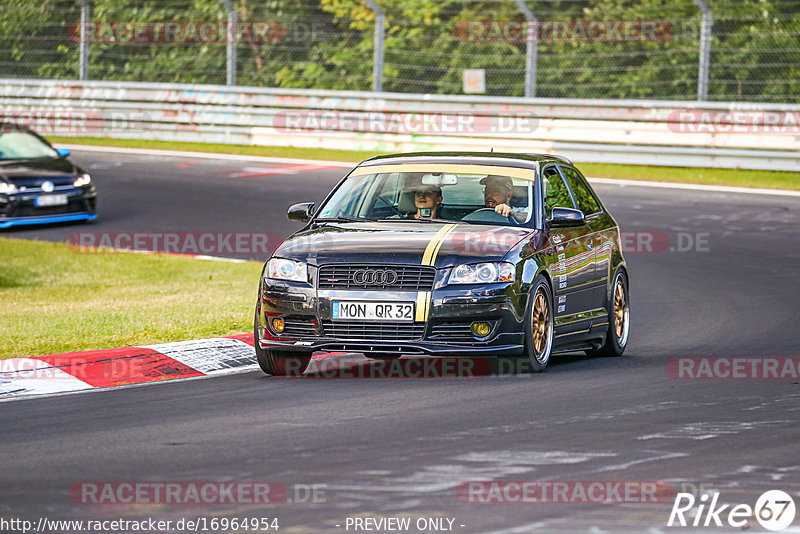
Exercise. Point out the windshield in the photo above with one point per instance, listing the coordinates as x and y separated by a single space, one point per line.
475 194
22 145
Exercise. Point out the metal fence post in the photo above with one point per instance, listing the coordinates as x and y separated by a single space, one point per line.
531 48
705 50
377 57
86 13
232 38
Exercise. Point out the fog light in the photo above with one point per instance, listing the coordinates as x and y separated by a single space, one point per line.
481 329
277 325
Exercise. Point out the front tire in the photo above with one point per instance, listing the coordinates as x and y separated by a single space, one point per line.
277 363
619 319
539 325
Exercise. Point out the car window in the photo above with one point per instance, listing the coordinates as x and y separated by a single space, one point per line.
394 195
580 190
20 145
345 200
388 188
556 193
469 193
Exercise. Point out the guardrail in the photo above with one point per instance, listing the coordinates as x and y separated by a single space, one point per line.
672 133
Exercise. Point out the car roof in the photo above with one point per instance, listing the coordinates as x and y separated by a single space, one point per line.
509 159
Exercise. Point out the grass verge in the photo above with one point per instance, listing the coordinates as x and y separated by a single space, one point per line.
349 156
53 300
694 175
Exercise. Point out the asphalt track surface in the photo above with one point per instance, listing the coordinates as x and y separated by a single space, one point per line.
400 447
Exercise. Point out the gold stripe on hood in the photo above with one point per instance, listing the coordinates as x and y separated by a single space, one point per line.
429 259
423 306
429 256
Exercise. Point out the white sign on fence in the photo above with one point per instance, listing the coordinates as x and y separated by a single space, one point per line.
474 81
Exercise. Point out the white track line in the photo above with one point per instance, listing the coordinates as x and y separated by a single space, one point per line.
697 187
345 165
206 155
29 377
29 396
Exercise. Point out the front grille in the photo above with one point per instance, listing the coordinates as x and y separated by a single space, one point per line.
453 331
298 327
409 277
369 331
75 205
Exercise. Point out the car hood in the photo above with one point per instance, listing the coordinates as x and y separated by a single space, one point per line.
33 172
442 245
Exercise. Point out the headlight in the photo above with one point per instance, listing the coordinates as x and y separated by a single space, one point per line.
7 189
482 273
281 269
83 179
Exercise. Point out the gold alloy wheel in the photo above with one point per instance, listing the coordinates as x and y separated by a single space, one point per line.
620 316
540 324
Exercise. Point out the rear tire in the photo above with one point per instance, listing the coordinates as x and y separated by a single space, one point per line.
279 363
539 325
619 320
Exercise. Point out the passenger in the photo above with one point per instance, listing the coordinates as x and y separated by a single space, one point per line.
427 199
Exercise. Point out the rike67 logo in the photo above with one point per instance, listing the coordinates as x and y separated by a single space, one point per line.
774 510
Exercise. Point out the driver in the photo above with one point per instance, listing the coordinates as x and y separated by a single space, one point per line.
497 194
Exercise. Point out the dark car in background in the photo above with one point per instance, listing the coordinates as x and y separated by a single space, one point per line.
447 254
38 183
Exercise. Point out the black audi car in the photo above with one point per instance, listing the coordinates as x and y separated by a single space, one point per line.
447 254
38 183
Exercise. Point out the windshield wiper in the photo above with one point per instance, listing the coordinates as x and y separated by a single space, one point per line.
344 218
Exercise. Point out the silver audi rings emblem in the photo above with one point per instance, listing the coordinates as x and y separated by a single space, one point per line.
374 277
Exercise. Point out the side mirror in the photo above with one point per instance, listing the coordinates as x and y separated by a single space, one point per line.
565 218
63 152
301 212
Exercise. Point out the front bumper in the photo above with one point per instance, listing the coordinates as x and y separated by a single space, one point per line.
6 222
20 209
444 332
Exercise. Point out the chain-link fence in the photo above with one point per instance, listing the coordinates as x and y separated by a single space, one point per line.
721 50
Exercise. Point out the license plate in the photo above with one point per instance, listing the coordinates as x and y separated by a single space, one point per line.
51 200
373 311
